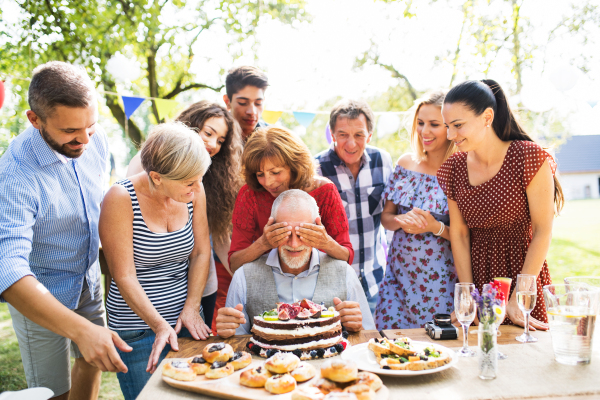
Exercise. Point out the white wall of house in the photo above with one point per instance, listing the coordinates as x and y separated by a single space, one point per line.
580 185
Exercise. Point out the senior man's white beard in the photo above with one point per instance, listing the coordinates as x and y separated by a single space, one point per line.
295 262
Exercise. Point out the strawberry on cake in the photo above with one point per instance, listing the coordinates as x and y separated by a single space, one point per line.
304 328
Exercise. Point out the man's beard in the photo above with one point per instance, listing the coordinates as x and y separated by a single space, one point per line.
64 150
295 262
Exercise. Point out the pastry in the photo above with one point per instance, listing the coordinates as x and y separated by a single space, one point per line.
370 379
401 347
282 363
326 386
278 384
199 365
304 328
217 352
179 370
339 370
303 372
219 369
379 347
361 391
255 377
307 393
240 360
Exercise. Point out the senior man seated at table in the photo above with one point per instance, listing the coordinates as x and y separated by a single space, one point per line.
293 271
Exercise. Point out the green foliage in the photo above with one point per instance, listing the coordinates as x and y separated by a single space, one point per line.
159 35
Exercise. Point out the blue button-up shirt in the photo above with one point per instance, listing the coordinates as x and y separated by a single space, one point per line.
49 211
363 200
291 288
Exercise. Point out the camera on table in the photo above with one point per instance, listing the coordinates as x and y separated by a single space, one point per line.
441 328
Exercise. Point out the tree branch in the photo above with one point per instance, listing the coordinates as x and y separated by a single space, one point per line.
178 90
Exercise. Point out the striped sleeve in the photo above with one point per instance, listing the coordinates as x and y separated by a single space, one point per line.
18 208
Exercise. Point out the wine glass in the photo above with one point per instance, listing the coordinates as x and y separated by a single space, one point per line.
526 297
465 309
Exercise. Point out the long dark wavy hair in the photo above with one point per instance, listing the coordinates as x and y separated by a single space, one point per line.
478 96
222 181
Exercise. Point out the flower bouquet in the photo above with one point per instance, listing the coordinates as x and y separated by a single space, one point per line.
491 313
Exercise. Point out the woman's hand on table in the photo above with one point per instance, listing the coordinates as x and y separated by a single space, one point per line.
516 316
314 235
163 334
275 234
191 319
350 314
229 319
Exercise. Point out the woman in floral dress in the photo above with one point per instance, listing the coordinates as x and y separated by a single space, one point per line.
502 194
420 275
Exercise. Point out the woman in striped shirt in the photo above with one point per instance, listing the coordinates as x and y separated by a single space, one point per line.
154 232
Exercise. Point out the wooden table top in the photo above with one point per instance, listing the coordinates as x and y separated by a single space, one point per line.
157 389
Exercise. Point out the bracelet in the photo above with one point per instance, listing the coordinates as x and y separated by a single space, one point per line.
441 229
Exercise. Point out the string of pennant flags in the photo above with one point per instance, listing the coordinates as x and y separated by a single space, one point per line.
165 108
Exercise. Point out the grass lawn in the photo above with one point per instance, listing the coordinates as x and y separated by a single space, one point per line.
575 250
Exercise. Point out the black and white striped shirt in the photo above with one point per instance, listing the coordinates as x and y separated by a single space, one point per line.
161 264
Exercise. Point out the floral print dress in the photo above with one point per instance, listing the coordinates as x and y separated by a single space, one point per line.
420 274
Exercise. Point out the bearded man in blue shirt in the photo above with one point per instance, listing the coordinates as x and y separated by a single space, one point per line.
51 186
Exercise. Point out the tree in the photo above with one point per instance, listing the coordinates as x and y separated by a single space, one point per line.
162 35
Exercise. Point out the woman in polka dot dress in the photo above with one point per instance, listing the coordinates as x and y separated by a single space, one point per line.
420 275
502 194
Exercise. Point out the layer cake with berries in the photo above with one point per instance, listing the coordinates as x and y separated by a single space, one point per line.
304 328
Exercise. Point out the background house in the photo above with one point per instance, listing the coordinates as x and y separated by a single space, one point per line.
579 167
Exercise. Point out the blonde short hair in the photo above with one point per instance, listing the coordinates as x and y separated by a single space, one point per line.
416 144
175 152
283 148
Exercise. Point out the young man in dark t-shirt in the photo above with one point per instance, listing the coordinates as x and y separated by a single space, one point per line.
245 87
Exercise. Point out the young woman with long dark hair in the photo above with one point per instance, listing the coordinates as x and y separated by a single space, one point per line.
502 194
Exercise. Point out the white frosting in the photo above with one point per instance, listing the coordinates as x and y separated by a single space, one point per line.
292 347
304 331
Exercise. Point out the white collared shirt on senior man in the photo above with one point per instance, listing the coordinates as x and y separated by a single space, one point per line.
292 288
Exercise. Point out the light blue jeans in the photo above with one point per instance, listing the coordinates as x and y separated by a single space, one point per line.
141 341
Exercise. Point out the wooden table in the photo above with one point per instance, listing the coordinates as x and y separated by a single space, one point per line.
156 389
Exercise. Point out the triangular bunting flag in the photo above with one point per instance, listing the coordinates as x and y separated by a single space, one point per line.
328 133
131 104
305 118
270 117
164 107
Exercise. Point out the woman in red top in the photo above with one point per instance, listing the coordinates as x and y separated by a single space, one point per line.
502 194
275 160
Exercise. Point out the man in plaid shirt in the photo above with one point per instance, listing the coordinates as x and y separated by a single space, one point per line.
360 173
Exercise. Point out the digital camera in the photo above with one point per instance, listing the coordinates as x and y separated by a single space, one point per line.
441 328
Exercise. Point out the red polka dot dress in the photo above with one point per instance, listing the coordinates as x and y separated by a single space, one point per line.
497 214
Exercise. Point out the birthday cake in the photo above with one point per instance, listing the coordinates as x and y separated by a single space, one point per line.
306 329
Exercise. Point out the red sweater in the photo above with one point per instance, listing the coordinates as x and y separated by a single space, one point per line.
253 209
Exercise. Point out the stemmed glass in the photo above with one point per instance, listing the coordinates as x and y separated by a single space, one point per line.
526 297
465 309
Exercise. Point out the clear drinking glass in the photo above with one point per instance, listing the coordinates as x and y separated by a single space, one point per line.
572 310
465 309
526 297
498 322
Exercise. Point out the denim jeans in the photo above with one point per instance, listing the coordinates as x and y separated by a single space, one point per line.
141 341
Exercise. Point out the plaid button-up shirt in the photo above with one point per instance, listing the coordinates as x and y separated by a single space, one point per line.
363 200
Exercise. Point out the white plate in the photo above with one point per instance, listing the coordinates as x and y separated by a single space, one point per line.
366 361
